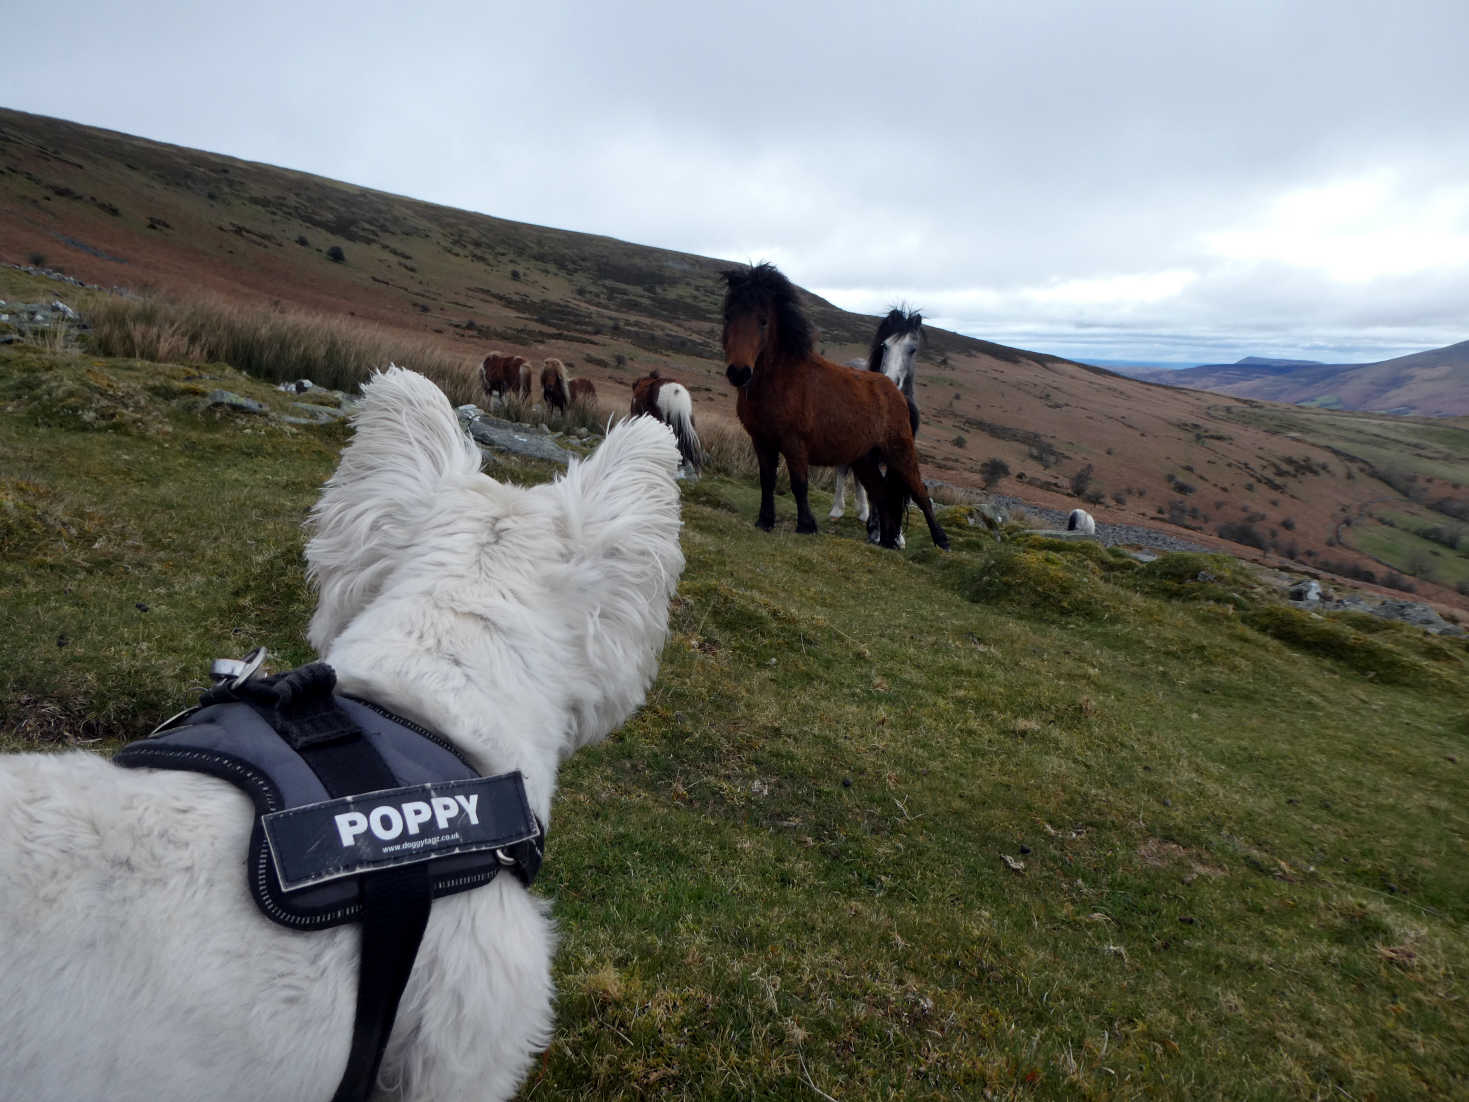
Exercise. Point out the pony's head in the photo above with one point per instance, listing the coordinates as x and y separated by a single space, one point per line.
763 322
898 338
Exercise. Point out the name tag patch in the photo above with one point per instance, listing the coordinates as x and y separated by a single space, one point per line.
397 826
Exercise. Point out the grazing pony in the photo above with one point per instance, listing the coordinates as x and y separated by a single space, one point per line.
894 347
553 385
1081 521
794 403
582 391
502 374
670 402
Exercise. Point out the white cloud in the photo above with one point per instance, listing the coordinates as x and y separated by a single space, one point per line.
1126 174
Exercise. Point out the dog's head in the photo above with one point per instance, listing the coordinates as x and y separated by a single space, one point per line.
436 581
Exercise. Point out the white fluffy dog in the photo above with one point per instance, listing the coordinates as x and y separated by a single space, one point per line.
519 623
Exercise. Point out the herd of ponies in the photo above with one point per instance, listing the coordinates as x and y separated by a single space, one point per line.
860 417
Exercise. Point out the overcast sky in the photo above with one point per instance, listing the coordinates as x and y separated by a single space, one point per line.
1186 181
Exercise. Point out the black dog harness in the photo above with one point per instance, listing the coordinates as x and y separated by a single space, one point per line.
360 815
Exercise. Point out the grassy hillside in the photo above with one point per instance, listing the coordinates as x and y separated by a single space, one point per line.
1025 820
187 225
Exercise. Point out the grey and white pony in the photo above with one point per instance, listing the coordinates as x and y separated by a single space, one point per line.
894 347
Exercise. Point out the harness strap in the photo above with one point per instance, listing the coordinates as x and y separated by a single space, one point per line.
396 902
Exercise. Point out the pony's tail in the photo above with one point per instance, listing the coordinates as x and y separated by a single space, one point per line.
677 408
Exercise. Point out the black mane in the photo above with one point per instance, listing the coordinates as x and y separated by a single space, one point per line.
898 320
764 286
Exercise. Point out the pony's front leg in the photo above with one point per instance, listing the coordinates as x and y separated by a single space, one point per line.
838 496
796 465
862 507
768 458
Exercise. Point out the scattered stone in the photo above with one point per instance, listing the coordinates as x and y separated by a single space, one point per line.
313 414
491 432
1306 592
234 401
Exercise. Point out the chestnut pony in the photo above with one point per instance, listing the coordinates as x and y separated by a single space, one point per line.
797 404
501 374
583 391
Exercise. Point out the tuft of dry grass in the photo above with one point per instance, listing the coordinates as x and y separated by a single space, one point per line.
275 345
727 451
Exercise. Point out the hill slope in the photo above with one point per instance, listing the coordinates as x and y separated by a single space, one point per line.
1425 384
1027 820
119 210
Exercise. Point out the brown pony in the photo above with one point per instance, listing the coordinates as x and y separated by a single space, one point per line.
501 374
794 403
582 390
553 385
669 401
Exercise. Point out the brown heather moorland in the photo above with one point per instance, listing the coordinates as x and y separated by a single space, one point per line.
1295 484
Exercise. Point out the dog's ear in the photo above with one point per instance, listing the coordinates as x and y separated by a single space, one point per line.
406 446
619 510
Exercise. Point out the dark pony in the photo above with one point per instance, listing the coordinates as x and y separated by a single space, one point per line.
887 354
670 402
553 385
814 412
894 347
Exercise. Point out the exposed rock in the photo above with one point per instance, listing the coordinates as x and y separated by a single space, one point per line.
1306 592
1419 615
491 432
234 401
313 414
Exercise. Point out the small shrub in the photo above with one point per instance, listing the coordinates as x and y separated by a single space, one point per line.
301 240
1081 480
959 441
1244 533
36 260
992 470
336 255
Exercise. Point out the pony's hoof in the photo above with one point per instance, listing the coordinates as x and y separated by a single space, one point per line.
835 514
763 524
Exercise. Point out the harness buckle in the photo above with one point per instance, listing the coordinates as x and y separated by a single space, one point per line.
236 671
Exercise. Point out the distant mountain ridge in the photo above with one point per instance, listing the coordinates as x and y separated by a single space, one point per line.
1269 361
1434 383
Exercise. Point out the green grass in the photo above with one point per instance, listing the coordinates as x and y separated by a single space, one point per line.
1243 829
1401 547
1422 447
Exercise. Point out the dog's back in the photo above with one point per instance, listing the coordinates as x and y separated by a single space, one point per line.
133 962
